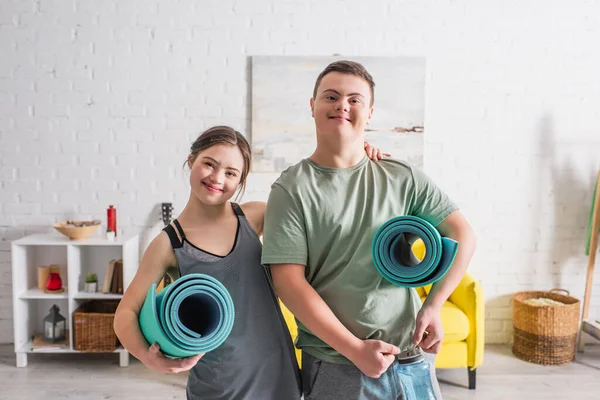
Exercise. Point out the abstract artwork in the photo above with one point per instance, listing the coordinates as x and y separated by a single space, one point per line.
283 131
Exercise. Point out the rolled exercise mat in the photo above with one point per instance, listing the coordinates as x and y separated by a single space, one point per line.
192 315
395 261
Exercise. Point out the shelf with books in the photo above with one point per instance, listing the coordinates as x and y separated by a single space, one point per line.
76 259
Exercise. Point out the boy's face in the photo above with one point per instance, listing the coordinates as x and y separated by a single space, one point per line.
342 107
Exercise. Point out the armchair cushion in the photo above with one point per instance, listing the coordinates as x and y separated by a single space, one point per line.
293 328
455 322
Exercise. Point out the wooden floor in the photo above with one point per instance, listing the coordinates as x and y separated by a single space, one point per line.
504 377
85 377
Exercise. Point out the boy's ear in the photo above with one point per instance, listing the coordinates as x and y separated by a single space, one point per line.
312 107
370 115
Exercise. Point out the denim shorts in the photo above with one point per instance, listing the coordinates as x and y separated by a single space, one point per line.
322 380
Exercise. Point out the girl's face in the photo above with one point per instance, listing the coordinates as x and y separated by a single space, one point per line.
216 173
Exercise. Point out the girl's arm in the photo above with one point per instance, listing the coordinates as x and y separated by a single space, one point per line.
157 258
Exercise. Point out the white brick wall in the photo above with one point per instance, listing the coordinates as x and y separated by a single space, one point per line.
99 102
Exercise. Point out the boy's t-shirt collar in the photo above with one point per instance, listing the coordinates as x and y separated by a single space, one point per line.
353 168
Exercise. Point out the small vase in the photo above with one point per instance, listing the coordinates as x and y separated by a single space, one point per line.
91 287
54 282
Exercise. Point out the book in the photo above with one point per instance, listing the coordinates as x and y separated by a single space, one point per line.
38 344
108 277
120 278
117 279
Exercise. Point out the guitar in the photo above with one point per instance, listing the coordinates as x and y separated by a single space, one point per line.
166 213
172 273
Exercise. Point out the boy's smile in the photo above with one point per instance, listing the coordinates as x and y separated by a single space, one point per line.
340 118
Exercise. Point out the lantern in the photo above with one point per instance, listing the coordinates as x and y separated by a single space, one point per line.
54 326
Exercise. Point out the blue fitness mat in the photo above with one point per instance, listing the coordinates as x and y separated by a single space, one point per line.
192 315
395 261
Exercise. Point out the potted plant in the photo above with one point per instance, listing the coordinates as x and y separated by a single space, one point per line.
91 283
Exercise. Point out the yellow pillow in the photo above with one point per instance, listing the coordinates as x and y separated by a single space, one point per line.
293 328
418 249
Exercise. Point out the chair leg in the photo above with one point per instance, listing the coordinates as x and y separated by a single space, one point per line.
472 377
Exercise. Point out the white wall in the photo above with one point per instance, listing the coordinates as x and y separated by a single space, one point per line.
99 102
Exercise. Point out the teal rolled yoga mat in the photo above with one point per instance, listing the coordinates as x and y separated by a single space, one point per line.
395 261
192 315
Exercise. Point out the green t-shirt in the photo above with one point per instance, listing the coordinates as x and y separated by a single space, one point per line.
325 218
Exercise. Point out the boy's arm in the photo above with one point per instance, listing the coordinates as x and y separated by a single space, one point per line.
372 357
432 204
454 227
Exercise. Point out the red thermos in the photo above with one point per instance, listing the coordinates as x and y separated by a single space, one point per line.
111 214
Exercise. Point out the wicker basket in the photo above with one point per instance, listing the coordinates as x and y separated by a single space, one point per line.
93 326
545 334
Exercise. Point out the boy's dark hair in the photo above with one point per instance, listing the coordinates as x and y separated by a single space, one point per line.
228 136
350 68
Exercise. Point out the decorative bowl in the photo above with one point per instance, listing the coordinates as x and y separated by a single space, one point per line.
77 230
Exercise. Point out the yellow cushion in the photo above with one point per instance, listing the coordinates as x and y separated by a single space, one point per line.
455 322
291 323
452 355
418 249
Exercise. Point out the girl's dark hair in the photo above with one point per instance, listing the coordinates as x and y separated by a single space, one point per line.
224 135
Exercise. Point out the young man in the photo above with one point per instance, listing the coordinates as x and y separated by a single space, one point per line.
321 217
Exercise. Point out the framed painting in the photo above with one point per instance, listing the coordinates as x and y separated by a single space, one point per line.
283 131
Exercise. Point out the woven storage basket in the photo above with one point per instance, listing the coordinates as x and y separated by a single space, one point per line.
545 334
93 326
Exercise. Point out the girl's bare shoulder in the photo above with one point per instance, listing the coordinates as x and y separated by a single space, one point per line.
255 214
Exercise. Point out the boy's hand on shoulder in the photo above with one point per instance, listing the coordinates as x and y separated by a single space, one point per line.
157 361
373 357
429 331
